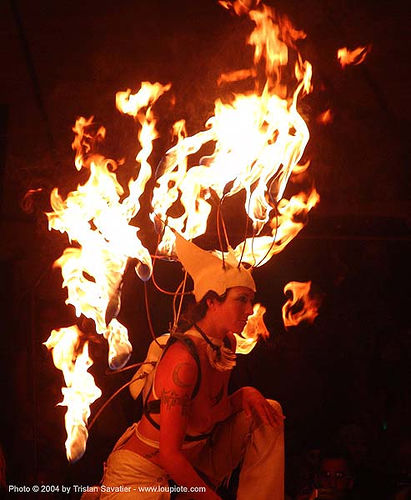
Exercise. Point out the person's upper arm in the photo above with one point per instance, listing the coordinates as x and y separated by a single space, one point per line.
175 381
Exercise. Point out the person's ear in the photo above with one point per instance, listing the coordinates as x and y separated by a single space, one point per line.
211 303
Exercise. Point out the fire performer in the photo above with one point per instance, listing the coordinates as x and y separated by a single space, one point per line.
192 431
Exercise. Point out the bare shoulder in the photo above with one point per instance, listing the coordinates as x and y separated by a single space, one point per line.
178 367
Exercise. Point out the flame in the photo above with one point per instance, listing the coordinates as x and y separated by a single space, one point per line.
253 330
80 391
325 117
356 56
119 345
258 139
300 296
257 251
84 140
96 217
27 203
300 169
240 6
255 143
236 76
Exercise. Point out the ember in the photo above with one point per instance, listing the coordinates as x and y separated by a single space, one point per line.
356 56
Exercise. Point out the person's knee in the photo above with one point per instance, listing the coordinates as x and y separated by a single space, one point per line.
276 406
278 427
270 438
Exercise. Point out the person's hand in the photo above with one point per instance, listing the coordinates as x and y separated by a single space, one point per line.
255 405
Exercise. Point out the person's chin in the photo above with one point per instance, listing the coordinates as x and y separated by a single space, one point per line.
240 326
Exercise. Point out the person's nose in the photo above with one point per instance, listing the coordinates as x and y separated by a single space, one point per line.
249 309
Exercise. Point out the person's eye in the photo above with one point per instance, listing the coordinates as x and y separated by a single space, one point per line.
247 300
243 299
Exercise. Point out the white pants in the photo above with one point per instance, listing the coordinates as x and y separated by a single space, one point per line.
259 449
135 475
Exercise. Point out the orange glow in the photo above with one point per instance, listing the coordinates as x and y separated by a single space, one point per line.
254 329
252 146
356 56
301 306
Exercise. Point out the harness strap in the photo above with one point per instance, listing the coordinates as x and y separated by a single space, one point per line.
153 407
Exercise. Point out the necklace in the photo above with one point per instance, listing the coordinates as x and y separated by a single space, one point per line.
213 346
219 356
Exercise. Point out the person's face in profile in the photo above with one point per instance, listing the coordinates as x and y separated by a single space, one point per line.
236 308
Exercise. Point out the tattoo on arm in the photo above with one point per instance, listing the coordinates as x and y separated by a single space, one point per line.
170 399
178 376
151 454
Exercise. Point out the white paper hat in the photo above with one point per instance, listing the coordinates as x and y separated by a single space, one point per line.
208 272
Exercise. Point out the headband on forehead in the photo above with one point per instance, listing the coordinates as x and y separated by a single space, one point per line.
208 272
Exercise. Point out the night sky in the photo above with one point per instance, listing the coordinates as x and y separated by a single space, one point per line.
64 59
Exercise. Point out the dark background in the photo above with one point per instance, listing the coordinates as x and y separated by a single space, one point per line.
63 59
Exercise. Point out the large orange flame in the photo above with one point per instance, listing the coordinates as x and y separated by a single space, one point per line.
97 218
257 142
